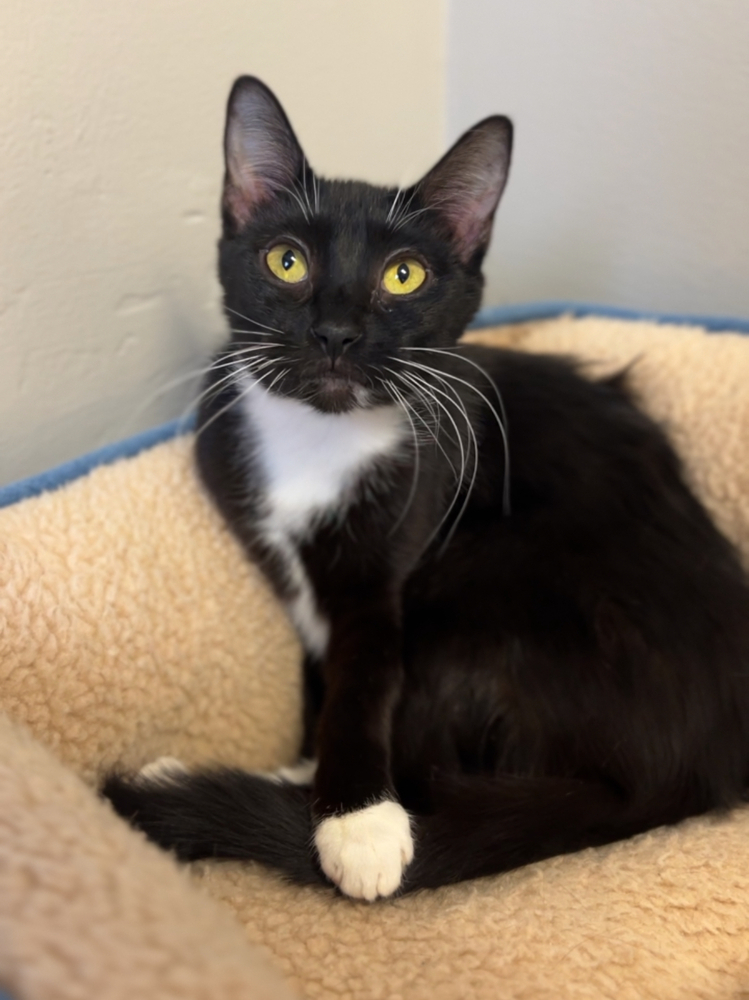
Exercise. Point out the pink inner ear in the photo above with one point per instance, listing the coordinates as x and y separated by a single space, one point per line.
236 205
466 185
243 194
470 218
262 154
246 187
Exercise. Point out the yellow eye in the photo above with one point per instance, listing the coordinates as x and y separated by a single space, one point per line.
287 263
403 277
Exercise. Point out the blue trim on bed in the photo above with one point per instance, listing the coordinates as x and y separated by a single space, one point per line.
496 316
52 479
525 312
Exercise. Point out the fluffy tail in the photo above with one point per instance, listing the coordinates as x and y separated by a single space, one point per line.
478 826
223 813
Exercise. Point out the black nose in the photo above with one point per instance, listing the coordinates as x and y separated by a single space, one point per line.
335 340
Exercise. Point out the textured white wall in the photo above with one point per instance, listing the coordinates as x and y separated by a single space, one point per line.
630 183
110 164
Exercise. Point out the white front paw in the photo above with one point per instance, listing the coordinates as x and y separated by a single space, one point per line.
365 852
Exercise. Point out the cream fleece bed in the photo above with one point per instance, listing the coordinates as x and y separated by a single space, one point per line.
131 626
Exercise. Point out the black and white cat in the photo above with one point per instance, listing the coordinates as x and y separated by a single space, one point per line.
503 661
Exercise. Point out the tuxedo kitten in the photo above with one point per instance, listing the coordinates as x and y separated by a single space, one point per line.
523 635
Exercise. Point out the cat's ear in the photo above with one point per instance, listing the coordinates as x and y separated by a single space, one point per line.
262 154
464 188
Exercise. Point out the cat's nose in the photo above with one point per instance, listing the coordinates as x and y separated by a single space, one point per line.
335 340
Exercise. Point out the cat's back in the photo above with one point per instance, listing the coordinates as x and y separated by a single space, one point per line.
572 437
550 387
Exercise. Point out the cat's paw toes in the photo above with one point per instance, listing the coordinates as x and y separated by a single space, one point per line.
162 769
365 852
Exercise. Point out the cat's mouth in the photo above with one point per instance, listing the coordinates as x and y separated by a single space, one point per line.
335 392
336 389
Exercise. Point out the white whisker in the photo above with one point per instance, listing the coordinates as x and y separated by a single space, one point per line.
434 412
233 402
305 189
252 333
501 422
453 398
395 219
237 362
398 397
394 205
297 199
254 322
458 401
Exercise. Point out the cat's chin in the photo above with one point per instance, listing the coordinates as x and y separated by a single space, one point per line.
332 394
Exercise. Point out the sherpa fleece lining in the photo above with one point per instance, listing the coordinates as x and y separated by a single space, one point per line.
131 625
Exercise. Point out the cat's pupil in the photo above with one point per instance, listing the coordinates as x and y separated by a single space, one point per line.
403 273
288 260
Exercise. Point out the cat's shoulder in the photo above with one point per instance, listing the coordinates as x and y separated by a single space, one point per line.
529 380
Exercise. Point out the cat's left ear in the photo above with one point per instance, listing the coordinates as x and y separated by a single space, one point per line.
464 188
263 156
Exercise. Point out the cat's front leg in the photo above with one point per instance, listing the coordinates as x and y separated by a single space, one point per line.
362 833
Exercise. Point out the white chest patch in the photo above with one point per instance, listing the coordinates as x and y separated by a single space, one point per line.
309 463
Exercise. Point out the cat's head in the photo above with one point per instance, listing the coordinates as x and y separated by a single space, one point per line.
327 282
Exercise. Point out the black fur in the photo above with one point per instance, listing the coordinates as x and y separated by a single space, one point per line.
259 820
551 655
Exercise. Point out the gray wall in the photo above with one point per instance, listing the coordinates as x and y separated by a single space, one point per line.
111 116
630 183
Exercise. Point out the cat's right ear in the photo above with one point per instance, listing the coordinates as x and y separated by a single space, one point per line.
262 154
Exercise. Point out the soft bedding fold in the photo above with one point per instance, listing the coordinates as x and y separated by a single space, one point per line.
131 626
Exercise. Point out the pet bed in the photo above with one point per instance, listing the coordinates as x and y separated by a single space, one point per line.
132 626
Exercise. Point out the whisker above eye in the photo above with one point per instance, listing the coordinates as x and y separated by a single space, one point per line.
394 205
398 211
304 189
409 216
